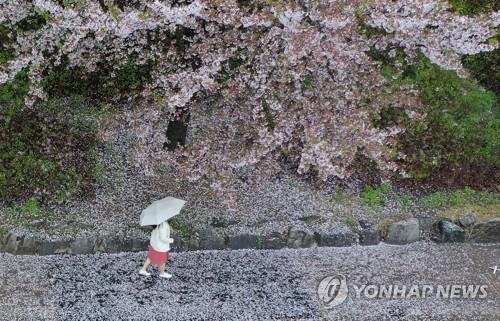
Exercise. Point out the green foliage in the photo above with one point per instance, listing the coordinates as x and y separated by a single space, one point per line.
3 232
461 197
132 76
40 17
368 30
485 67
231 68
6 55
44 150
72 4
308 81
259 242
113 9
12 93
389 116
7 38
98 85
483 206
376 196
404 200
185 230
351 223
8 34
462 125
34 21
98 166
268 114
474 7
24 214
340 196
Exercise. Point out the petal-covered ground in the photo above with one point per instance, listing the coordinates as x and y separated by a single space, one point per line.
249 284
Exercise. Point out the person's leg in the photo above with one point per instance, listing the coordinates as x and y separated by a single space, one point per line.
146 263
161 269
144 267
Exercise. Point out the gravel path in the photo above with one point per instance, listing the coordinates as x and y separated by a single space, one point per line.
248 284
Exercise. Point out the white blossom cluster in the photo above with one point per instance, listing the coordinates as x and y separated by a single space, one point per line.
442 36
296 77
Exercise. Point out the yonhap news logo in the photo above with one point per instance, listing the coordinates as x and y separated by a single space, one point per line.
333 290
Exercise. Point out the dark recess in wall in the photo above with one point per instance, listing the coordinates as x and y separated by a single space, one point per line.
176 132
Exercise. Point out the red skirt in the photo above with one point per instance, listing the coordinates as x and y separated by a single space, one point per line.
156 257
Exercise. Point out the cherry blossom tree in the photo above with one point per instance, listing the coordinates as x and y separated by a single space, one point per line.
258 78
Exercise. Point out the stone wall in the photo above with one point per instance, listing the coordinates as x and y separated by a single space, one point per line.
211 238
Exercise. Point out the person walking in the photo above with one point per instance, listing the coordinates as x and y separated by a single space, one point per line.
158 250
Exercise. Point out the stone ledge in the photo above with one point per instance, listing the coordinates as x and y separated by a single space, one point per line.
208 238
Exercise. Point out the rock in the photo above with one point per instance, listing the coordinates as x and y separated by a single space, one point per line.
427 225
62 246
192 243
274 241
243 241
141 243
109 244
337 235
115 244
450 232
486 232
29 245
179 244
369 233
403 232
208 239
12 243
298 238
466 221
4 239
46 247
125 244
83 245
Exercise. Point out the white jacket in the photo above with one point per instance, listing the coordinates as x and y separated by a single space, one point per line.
160 238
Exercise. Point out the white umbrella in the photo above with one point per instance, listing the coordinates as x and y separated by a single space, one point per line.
161 210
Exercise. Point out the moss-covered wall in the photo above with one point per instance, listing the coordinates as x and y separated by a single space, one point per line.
474 7
46 151
457 140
